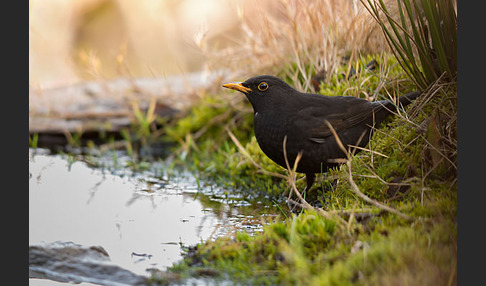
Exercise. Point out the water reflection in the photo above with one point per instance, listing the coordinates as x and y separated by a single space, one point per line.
140 222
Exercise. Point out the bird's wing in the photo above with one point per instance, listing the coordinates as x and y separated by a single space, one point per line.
317 118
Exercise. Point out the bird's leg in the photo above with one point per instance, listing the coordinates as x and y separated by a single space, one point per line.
309 178
329 186
333 185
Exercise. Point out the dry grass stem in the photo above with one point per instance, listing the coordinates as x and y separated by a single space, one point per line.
355 187
351 218
368 150
297 37
354 210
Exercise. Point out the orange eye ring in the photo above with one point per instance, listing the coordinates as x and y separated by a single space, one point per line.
262 86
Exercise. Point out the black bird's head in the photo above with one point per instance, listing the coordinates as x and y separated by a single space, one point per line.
264 91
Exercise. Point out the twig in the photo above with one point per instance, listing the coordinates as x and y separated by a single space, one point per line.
355 211
351 217
368 199
355 187
322 212
369 150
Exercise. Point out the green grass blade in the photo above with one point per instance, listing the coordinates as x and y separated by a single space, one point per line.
423 37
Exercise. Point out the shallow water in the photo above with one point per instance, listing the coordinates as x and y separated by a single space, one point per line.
141 220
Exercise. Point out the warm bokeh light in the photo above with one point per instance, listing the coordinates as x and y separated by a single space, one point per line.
70 41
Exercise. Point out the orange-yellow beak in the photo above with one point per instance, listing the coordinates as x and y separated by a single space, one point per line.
237 86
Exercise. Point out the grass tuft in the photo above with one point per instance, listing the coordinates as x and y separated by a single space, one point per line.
420 29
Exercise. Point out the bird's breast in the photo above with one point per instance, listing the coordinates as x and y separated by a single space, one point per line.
270 131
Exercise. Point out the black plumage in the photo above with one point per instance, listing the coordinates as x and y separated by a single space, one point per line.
304 118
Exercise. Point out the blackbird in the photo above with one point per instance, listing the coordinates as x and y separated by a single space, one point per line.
304 118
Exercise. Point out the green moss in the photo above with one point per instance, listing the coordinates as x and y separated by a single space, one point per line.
406 255
387 75
310 250
286 252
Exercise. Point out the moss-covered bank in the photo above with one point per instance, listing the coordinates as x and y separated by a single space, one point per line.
410 165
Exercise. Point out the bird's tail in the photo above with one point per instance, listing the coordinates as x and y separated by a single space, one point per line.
384 108
406 99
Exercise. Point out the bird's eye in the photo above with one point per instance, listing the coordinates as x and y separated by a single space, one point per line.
263 86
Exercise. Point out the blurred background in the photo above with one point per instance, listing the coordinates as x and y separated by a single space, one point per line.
73 41
91 62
